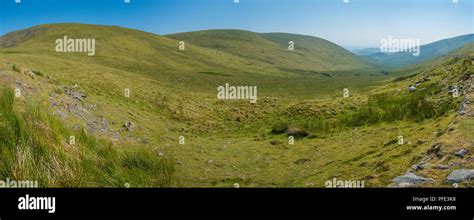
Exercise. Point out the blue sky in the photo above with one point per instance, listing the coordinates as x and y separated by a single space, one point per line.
357 24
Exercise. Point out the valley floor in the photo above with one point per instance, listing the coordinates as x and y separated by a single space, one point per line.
215 143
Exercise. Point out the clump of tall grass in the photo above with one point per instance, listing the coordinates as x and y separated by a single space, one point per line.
279 127
386 107
35 146
15 68
380 108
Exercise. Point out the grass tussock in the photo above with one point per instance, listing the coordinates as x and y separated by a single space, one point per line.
380 108
15 68
414 107
36 146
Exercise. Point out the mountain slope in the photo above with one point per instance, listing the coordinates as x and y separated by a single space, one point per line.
427 52
123 48
205 51
309 54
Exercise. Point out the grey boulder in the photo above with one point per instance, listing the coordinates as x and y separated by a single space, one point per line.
460 175
461 153
411 178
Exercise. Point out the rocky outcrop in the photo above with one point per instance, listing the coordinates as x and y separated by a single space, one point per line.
75 94
461 153
419 166
460 175
410 179
129 126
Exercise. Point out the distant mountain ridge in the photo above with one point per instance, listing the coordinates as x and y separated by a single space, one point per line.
366 51
427 52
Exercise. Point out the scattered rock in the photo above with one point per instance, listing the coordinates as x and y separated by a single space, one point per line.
466 76
453 164
461 153
76 127
74 94
296 132
79 96
104 125
116 136
161 154
27 72
276 142
460 175
406 185
435 150
411 178
210 162
419 166
462 109
302 161
441 167
98 124
129 126
61 114
451 89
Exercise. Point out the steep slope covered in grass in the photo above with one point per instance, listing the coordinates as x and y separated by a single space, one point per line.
309 54
206 51
124 48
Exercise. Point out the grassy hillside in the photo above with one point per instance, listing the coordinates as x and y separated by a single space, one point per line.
36 146
132 48
309 54
123 51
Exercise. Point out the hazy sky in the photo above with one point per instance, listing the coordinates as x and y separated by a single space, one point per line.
357 24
